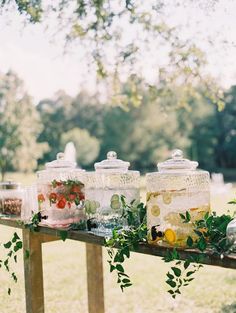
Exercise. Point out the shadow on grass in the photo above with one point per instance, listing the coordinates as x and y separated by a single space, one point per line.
230 308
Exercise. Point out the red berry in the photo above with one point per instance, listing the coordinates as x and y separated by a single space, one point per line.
61 204
72 197
75 189
53 197
41 198
81 196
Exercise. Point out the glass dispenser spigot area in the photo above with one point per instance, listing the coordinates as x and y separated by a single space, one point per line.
61 192
104 186
178 187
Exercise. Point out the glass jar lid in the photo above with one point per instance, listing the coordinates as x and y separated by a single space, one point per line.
177 163
112 164
60 162
9 185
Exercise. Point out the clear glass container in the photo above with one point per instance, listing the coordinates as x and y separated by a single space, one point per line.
31 204
60 189
12 199
231 234
176 188
104 186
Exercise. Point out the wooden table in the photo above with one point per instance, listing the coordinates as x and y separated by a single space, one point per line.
33 265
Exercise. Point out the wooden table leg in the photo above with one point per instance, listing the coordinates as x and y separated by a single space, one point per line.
95 278
33 269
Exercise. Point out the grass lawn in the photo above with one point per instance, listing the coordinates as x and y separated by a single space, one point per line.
214 289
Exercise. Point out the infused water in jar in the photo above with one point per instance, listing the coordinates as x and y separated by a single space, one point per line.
60 189
177 188
110 180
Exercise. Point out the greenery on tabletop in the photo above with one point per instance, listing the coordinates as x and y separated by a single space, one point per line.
209 235
123 241
82 225
36 218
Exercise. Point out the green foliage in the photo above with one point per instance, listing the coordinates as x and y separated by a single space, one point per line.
211 234
225 154
128 240
100 27
34 221
139 135
63 234
11 248
181 274
82 225
19 127
32 9
124 241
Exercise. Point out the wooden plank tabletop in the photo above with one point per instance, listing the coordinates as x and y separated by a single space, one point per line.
228 261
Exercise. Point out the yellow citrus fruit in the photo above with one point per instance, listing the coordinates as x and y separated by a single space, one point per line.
155 210
166 198
170 236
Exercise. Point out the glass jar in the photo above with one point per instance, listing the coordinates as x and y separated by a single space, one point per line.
176 188
231 234
12 199
104 187
60 189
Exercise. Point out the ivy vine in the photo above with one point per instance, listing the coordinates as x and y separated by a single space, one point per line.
12 247
209 234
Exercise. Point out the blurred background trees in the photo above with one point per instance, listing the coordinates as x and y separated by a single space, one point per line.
142 118
32 135
20 126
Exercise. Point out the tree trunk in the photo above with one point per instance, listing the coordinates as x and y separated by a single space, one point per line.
3 172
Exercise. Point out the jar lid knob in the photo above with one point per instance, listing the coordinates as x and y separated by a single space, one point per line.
177 154
111 155
112 164
60 162
177 163
60 156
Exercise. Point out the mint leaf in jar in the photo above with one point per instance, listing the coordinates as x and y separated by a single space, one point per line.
87 206
93 206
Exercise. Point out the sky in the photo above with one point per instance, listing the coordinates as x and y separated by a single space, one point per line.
40 60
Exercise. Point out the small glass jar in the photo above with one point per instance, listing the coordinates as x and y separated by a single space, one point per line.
12 199
176 189
104 187
60 190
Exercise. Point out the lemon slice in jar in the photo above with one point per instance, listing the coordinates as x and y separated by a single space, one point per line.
155 210
170 236
166 197
115 197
